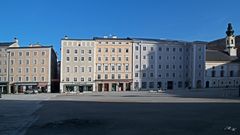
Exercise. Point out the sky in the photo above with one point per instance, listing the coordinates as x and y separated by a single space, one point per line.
47 21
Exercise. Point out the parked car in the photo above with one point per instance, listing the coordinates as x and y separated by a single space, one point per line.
34 91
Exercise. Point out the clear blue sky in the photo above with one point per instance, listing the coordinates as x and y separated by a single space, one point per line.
47 21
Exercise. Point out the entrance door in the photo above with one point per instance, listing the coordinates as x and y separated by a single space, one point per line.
120 87
100 87
106 87
81 89
170 85
207 84
114 87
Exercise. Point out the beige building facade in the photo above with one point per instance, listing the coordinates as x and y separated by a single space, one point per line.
113 62
33 67
77 65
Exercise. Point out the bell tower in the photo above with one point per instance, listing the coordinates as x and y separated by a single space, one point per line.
230 41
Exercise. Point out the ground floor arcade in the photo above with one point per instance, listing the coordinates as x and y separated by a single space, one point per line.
113 85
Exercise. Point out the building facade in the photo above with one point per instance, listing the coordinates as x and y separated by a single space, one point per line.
4 62
33 67
223 67
113 62
167 64
77 65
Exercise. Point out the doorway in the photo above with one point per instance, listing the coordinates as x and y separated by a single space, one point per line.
170 85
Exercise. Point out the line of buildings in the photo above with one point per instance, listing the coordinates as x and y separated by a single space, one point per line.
118 64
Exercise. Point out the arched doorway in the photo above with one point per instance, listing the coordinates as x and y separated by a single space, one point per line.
207 84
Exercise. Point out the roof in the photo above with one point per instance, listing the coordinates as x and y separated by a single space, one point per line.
28 47
6 43
215 55
110 38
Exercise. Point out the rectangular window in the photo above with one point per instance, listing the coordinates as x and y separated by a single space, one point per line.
99 68
82 69
127 67
89 58
99 58
99 76
119 67
90 69
75 79
144 48
89 51
126 76
75 69
106 76
43 53
144 85
99 50
119 76
136 74
106 68
113 76
42 70
27 53
19 53
75 59
151 85
82 58
27 70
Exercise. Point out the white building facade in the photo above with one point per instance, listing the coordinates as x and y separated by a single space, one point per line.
166 64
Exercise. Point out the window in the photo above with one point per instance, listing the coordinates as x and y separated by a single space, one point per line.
144 48
75 69
213 73
42 78
82 79
20 62
99 58
75 79
151 84
174 49
174 67
99 76
11 70
34 79
144 66
35 70
75 51
119 59
119 76
113 50
75 59
144 75
27 62
27 70
136 48
89 51
119 67
180 49
222 73
12 53
127 59
82 58
173 74
167 66
159 57
67 79
42 70
144 85
136 66
113 67
68 51
136 74
19 79
126 76
82 69
68 69
119 50
106 76
106 58
35 53
89 58
35 62
167 49
27 53
144 57
136 56
42 61
89 69
89 79
99 50
27 78
43 53
106 50
127 67
82 51
12 62
99 68
159 66
126 50
231 73
113 76
180 84
19 70
151 75
160 49
19 53
106 68
151 48
152 66
113 58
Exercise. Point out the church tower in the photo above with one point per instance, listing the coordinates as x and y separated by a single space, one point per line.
230 41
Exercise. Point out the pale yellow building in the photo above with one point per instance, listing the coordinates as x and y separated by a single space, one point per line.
113 64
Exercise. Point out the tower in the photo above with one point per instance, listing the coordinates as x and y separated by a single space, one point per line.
230 41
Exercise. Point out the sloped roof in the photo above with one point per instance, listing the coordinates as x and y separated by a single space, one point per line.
216 55
6 43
